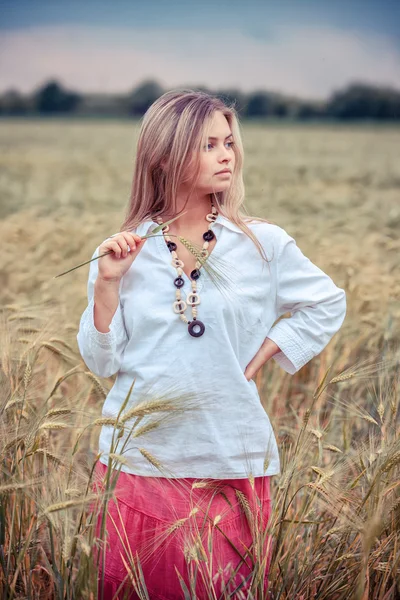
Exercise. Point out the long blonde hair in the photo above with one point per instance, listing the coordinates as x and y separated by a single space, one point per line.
174 129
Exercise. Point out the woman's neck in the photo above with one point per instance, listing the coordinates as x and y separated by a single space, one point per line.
194 217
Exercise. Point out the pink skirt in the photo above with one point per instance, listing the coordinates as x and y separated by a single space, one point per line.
167 532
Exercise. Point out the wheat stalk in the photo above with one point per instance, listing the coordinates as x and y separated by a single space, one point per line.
146 428
69 504
106 421
58 412
50 425
244 503
97 384
147 407
150 458
144 237
48 454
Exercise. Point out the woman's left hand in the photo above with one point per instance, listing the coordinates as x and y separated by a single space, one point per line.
268 349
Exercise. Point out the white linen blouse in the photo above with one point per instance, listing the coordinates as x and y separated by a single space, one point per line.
220 430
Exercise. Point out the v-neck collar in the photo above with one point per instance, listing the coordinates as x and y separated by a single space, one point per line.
147 226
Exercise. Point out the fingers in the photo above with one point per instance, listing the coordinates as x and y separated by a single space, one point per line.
132 239
124 242
115 247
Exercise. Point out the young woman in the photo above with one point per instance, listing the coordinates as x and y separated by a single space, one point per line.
190 331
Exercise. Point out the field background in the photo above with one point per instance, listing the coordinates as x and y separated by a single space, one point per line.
64 187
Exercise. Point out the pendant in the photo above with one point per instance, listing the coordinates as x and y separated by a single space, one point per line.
194 324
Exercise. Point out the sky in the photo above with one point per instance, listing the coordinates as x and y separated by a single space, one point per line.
303 48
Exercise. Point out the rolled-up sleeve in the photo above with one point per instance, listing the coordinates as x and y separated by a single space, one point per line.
102 352
317 307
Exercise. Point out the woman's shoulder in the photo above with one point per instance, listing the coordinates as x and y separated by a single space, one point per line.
267 231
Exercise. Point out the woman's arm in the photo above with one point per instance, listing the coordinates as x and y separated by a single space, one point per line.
106 300
317 306
102 336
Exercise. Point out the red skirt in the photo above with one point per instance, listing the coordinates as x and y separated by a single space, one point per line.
168 532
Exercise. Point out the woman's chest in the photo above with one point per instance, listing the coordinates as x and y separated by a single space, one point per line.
187 258
235 291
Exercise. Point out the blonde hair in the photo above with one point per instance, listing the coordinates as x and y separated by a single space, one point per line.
174 130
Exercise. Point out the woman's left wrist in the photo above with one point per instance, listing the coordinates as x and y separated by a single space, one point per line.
271 347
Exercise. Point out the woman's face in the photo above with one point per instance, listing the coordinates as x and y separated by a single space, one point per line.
217 155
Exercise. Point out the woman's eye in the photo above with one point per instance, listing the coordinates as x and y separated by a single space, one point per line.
231 144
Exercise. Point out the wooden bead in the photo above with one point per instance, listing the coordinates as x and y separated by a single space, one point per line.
179 282
208 235
193 298
177 263
179 306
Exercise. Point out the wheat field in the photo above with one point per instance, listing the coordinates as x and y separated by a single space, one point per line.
335 520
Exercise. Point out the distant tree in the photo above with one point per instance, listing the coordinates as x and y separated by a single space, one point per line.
258 104
279 107
306 109
13 102
52 98
143 96
361 101
265 104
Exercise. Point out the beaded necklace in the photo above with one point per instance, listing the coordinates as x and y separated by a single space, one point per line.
193 298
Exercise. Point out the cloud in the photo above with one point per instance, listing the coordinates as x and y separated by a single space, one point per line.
307 61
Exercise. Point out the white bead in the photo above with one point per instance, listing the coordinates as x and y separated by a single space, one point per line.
179 306
193 298
177 263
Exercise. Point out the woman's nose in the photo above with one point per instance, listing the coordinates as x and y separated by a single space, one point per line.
225 154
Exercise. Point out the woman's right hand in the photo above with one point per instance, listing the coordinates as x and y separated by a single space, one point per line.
114 266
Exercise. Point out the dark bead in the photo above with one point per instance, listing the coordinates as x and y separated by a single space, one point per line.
179 282
195 274
193 324
208 235
171 246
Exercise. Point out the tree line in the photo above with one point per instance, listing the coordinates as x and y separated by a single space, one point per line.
357 101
